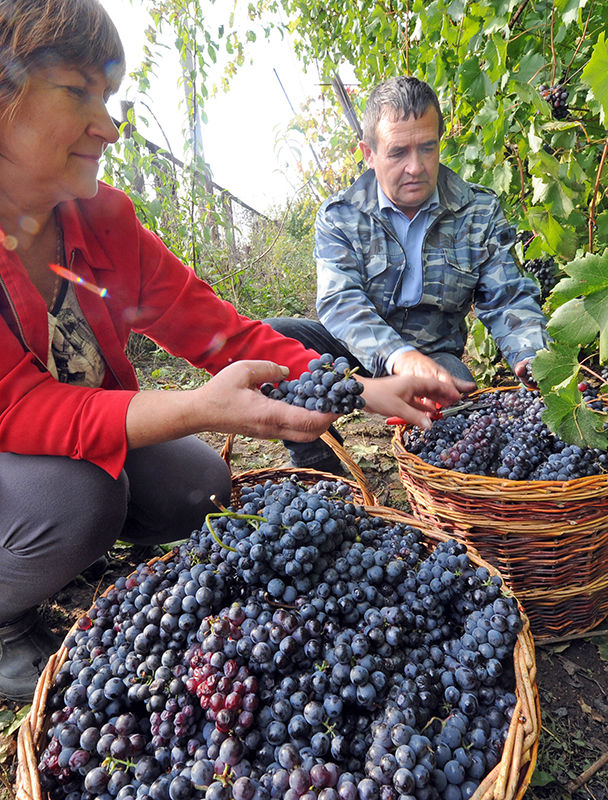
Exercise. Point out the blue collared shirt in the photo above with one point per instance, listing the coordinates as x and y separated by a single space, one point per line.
410 233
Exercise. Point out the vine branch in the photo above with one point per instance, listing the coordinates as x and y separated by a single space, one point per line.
596 188
553 55
582 39
518 13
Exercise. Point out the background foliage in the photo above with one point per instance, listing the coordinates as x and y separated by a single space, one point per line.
488 61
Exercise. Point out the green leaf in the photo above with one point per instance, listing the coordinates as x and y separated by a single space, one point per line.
571 419
540 778
555 365
474 81
558 239
19 717
602 228
572 324
603 649
6 717
529 66
586 275
594 75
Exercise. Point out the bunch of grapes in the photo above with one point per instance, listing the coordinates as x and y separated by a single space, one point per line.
557 96
387 673
328 386
507 438
545 272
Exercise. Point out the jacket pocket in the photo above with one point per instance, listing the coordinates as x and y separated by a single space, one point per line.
458 285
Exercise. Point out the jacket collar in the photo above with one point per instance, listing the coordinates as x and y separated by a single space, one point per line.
78 235
454 193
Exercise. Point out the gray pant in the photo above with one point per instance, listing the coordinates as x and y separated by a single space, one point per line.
58 515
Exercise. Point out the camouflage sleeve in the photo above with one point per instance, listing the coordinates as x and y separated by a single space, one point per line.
343 306
505 301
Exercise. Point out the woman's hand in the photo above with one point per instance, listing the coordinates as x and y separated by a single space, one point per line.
410 397
236 405
230 402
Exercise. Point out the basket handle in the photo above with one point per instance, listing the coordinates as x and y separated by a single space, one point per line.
369 499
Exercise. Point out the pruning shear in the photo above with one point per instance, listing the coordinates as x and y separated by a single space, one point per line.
441 413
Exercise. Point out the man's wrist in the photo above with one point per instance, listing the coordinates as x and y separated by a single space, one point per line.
390 361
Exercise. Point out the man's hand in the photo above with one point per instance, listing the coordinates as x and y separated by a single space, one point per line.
410 397
522 370
414 363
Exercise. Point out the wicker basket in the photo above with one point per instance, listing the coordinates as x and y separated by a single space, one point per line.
507 781
549 539
359 485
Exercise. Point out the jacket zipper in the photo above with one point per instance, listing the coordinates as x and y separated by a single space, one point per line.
20 328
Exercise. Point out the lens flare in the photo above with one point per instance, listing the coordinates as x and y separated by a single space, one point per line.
72 276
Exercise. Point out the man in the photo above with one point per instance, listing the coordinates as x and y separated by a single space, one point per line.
404 252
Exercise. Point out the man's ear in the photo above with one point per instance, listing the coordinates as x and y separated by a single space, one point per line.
368 154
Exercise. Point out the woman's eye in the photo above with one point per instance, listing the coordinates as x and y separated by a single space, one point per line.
77 91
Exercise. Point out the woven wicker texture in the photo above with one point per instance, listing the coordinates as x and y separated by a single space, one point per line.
549 539
507 781
362 492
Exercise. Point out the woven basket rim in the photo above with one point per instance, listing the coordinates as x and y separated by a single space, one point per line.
462 481
357 477
465 481
509 778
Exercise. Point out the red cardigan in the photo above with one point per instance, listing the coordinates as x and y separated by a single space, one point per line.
149 291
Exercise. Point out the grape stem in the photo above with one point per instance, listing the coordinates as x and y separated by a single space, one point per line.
110 763
230 515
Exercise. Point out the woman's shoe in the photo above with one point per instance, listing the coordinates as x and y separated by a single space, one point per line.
25 647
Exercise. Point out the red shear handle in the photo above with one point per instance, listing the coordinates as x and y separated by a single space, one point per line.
398 421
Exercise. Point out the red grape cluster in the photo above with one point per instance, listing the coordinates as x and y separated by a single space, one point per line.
557 96
226 691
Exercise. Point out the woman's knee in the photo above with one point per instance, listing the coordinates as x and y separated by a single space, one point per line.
173 486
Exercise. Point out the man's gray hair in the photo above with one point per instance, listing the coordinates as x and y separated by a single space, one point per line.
398 98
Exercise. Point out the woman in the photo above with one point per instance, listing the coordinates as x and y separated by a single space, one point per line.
85 456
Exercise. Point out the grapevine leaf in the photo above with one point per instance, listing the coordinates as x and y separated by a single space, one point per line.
594 74
571 419
597 307
474 81
558 239
602 228
587 275
528 67
573 324
555 365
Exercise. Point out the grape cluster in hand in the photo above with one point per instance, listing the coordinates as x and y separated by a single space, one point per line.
329 387
507 438
348 664
557 96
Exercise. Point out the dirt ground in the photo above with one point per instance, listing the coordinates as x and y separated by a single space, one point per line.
572 676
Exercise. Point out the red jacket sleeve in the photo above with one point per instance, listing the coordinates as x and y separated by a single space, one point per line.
90 424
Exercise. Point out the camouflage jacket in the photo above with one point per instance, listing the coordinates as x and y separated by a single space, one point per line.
466 260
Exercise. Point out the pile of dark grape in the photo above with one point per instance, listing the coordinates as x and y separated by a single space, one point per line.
545 272
505 437
300 649
557 97
329 386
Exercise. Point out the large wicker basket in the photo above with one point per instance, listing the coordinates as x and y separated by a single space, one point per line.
507 781
549 539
